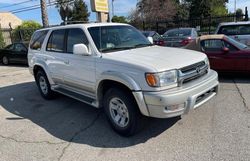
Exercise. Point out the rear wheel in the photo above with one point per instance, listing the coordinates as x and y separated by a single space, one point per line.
44 85
5 60
122 112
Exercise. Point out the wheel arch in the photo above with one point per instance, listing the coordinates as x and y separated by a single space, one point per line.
122 81
39 66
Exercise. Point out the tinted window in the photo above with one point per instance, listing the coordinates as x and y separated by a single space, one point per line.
20 47
212 45
37 39
177 33
229 46
56 41
235 30
10 47
75 36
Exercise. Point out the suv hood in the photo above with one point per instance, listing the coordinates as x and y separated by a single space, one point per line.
159 58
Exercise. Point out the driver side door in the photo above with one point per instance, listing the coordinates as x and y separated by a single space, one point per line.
221 60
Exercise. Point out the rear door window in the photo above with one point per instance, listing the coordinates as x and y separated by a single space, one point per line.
235 30
37 39
56 41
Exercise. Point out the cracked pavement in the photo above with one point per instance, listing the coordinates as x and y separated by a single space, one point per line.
33 129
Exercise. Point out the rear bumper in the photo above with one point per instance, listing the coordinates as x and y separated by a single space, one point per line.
175 102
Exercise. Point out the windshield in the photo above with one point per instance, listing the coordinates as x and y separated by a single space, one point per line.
177 33
113 38
236 43
235 30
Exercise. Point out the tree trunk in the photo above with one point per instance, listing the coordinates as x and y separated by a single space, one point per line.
44 13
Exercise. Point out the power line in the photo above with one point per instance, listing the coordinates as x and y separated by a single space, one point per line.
37 6
30 8
15 4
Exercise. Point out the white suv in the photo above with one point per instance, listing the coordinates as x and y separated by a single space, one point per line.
113 66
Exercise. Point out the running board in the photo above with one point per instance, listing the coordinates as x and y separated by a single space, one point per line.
76 96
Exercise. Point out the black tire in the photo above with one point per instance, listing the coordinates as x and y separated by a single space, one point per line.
5 60
40 78
135 121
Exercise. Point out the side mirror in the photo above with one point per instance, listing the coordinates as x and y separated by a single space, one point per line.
225 49
150 39
80 49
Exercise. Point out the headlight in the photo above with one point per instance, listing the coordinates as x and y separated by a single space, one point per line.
168 78
207 62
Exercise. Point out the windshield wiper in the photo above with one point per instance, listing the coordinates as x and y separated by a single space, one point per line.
142 45
116 48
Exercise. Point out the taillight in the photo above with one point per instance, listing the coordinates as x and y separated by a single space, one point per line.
161 43
186 41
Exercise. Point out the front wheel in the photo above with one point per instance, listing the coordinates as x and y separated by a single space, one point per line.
122 112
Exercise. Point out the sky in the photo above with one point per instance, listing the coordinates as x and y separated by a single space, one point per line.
121 8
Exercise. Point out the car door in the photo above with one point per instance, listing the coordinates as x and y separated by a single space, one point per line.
55 55
220 59
20 53
80 70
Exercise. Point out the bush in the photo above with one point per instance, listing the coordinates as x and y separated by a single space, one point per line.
2 43
25 30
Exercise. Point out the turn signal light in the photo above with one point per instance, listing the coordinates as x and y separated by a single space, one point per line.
151 80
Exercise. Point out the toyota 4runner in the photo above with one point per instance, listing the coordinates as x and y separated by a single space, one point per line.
113 66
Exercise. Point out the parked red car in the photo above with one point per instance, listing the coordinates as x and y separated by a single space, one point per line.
225 54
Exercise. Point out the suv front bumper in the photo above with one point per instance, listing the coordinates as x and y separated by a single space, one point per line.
180 100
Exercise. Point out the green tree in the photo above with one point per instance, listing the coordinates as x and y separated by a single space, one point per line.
239 14
65 9
119 19
25 31
80 11
206 8
2 43
76 10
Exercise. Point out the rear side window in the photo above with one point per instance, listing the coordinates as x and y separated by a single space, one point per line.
211 45
56 41
75 36
178 33
37 40
235 30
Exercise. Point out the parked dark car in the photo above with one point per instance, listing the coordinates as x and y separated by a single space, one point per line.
225 53
179 37
158 40
14 53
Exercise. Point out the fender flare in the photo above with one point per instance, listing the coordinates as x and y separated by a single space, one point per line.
46 69
128 82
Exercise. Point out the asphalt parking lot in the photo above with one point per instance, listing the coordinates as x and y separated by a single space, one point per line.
64 129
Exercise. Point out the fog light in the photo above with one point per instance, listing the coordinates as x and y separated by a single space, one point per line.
175 107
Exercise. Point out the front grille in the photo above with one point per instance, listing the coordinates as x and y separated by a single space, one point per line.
192 72
194 77
192 67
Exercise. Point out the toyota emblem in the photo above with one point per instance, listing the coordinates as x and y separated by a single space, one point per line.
198 70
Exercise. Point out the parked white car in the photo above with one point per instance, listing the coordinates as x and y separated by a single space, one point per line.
239 31
113 66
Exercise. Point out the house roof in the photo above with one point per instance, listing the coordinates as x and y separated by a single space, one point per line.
7 18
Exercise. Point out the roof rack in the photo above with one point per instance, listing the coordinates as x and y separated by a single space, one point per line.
77 22
70 23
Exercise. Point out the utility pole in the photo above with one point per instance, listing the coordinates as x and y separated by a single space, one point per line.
235 10
113 12
44 13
